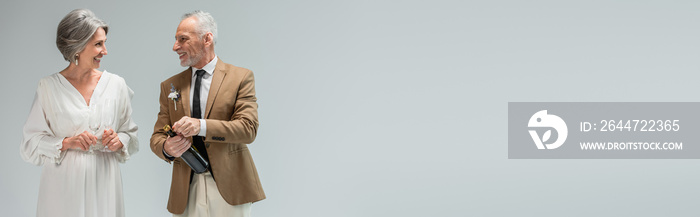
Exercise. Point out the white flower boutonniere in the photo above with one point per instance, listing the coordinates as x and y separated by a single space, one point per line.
174 95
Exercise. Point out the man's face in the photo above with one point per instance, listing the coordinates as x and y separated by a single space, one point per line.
188 44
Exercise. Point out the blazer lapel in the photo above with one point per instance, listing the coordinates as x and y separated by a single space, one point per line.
216 81
185 90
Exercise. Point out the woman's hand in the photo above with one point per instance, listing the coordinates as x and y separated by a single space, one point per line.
111 141
81 141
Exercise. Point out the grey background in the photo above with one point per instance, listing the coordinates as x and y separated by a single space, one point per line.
521 145
390 108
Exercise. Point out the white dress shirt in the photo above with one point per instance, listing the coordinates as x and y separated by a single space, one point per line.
203 91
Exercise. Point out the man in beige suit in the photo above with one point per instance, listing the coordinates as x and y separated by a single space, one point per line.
211 106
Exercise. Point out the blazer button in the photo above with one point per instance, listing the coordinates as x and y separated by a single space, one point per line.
207 145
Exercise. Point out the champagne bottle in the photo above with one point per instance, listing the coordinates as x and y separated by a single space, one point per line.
191 157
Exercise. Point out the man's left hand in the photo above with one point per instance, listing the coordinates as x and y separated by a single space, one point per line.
187 126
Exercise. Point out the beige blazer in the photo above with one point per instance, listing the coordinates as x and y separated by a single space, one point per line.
232 122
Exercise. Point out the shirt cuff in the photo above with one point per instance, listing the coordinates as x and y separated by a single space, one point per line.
167 155
52 149
124 153
202 128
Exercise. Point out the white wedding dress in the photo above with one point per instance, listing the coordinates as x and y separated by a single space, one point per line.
78 183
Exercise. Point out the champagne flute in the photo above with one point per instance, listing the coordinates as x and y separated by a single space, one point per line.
94 123
108 113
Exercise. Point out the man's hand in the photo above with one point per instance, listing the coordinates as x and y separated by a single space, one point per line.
175 146
187 127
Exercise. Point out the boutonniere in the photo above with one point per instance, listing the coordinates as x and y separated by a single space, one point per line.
174 95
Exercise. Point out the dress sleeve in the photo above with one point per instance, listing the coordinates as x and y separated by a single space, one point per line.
39 142
127 129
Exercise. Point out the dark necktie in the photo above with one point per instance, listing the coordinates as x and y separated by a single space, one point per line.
198 141
196 108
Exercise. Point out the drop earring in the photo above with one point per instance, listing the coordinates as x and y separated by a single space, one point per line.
76 59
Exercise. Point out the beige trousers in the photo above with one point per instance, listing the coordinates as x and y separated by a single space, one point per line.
205 200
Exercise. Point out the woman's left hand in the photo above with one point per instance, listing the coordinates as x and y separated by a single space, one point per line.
111 141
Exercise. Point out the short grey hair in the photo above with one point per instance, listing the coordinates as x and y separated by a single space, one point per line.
205 23
75 30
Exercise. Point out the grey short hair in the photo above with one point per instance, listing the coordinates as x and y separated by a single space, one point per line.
205 23
75 30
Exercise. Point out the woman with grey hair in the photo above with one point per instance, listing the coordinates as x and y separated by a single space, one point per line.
79 127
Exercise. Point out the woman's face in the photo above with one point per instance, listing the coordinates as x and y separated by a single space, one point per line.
94 50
